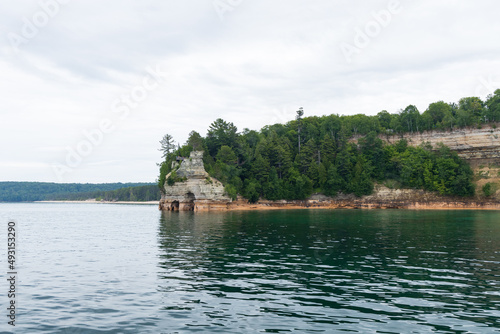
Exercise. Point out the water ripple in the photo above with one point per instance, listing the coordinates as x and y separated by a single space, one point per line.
130 269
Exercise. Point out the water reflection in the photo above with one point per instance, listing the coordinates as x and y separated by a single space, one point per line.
318 271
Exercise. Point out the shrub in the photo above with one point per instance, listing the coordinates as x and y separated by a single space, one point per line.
175 178
231 191
488 189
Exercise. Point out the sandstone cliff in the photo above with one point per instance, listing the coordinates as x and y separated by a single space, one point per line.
480 147
194 189
477 146
382 198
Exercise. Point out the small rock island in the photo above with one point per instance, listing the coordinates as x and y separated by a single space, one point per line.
190 188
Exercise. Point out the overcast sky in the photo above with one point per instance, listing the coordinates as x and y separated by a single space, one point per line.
88 88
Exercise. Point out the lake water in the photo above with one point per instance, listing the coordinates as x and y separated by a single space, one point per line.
98 268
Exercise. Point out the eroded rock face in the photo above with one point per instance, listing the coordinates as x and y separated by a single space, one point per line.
199 192
477 146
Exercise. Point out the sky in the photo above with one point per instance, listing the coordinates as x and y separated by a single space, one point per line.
88 88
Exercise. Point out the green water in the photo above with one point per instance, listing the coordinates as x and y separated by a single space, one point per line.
91 268
330 271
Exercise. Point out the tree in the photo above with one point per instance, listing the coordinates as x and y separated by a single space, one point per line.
272 191
464 118
307 157
472 104
384 119
435 114
410 117
492 111
372 148
487 189
330 125
167 145
221 133
322 175
300 113
195 141
226 155
361 124
328 148
361 183
396 123
334 183
470 110
260 169
344 164
252 191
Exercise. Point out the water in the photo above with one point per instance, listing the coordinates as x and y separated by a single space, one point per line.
91 268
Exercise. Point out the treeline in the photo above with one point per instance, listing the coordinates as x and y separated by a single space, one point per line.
313 154
145 193
40 191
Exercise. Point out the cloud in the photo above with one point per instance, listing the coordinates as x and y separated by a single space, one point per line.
256 65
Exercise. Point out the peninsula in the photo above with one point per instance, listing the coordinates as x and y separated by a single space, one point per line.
446 157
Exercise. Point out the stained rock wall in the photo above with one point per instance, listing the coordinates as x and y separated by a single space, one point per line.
478 146
198 192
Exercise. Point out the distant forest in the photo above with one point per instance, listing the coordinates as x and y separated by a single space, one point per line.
315 154
42 191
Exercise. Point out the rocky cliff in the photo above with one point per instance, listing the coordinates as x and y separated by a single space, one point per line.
477 146
194 189
382 198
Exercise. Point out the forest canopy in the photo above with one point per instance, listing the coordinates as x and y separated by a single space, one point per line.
317 154
44 191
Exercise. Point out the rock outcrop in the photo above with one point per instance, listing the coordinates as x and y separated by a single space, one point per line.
194 189
382 198
477 146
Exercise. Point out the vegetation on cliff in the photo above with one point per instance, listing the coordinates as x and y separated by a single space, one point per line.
313 154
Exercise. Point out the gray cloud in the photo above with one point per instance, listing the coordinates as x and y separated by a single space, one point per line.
256 65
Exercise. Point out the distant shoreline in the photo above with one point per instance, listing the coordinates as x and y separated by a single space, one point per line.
101 202
269 205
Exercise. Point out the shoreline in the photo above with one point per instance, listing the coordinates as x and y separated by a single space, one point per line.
342 205
100 202
306 205
366 206
382 198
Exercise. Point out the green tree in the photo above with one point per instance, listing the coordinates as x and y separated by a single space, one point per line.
167 145
487 189
195 141
473 105
410 117
226 155
361 183
492 112
307 157
298 117
334 182
221 133
260 169
435 114
252 191
328 148
231 191
372 148
272 191
384 119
